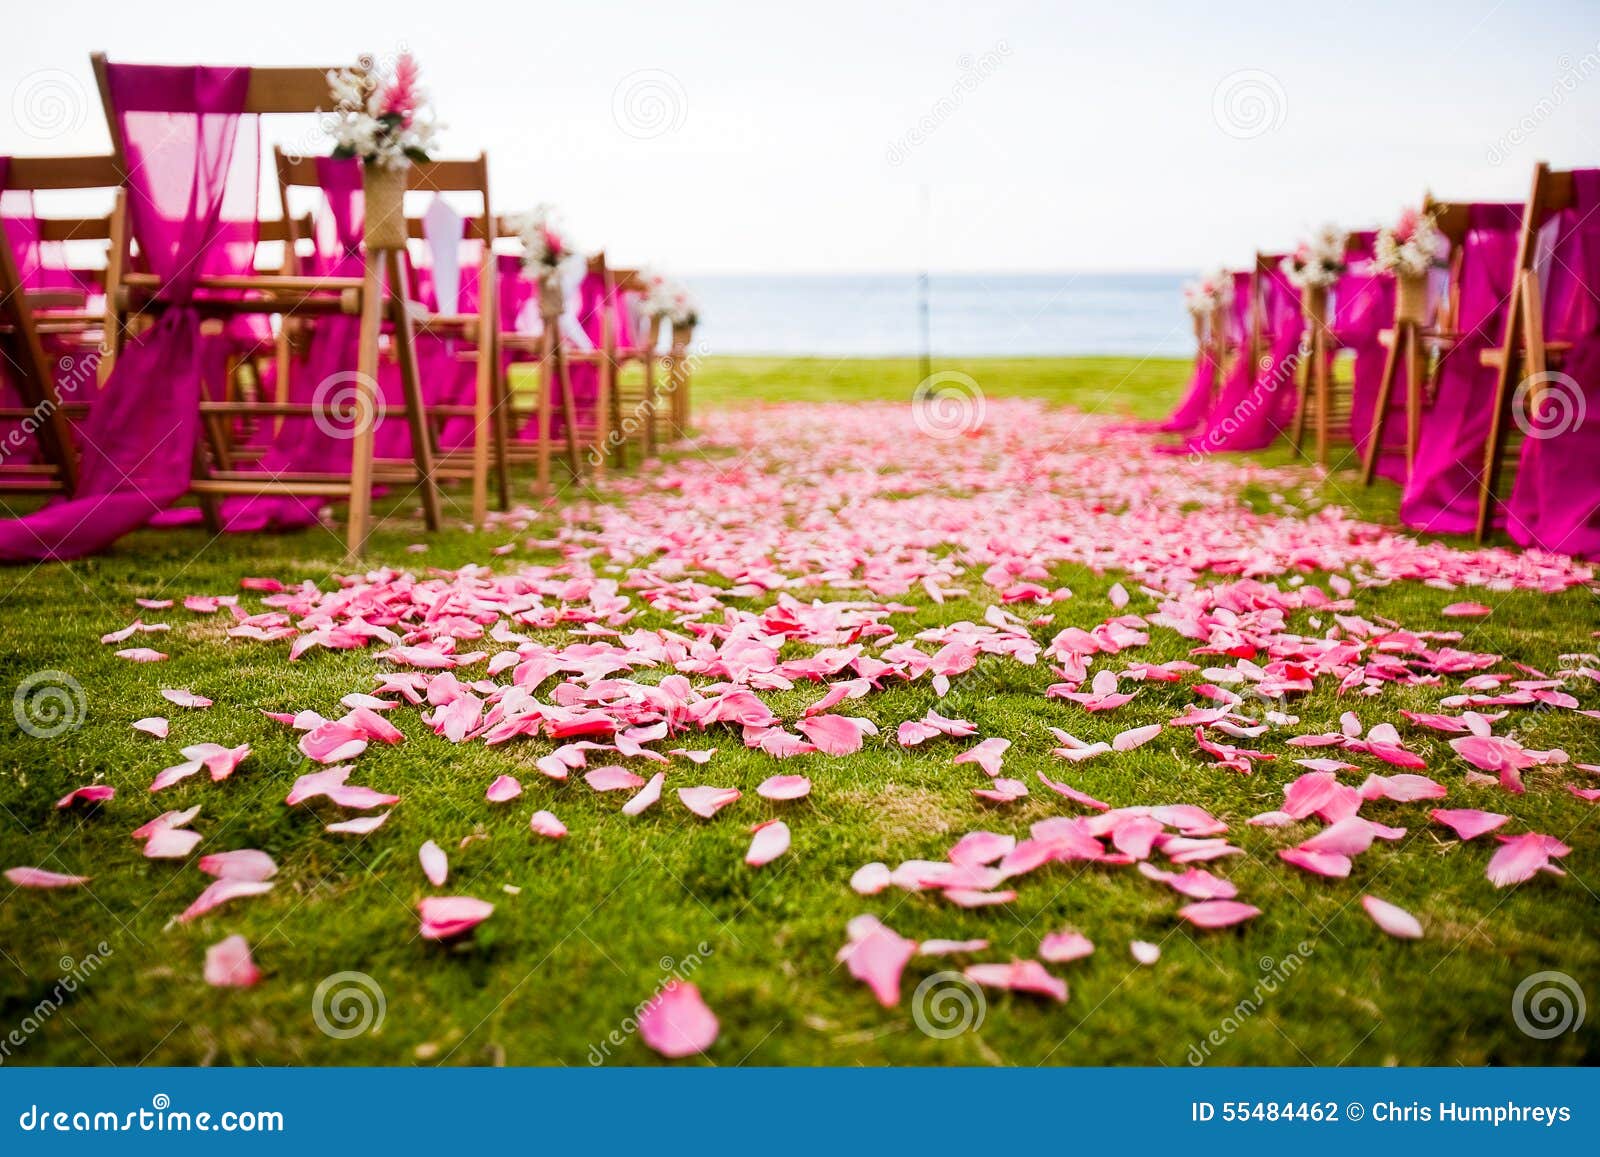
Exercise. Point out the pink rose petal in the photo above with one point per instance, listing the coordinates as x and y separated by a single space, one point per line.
612 778
676 1022
646 796
42 878
544 823
770 841
707 801
230 965
1019 976
1060 947
447 917
504 789
220 892
435 864
360 826
89 793
1218 913
1394 920
784 787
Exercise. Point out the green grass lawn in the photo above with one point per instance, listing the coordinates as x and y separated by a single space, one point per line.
597 922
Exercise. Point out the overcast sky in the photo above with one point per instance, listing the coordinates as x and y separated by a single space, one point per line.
735 136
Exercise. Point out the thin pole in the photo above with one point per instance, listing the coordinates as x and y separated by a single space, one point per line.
922 292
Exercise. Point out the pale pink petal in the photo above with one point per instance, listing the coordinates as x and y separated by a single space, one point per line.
1329 864
834 734
870 879
784 787
180 697
170 843
611 778
676 1022
1218 913
544 823
446 917
152 725
770 841
174 774
1394 920
877 959
1466 610
981 848
1145 952
1060 947
333 742
360 826
504 789
985 754
978 897
646 796
951 947
42 878
89 793
220 892
1468 823
1019 976
1002 791
141 655
1135 737
229 964
435 864
707 801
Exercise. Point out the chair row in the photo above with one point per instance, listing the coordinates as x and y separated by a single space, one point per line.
1475 359
183 343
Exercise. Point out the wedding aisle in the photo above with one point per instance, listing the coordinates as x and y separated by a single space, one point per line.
956 729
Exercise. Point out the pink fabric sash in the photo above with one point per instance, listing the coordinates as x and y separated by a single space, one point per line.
1441 496
1555 502
1257 401
1363 306
192 161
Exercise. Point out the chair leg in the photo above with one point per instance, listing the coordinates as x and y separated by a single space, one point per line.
1305 390
367 408
422 435
1494 448
501 378
1321 372
482 426
1380 413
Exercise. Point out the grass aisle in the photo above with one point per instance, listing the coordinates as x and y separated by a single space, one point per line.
587 928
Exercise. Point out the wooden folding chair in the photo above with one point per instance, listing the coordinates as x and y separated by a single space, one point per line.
1525 351
470 176
37 325
636 402
529 431
1325 399
274 91
1418 341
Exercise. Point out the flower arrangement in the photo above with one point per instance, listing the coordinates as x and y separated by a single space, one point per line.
546 247
671 299
384 121
1317 263
1410 247
1208 294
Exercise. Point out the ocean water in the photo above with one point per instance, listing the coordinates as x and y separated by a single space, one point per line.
970 314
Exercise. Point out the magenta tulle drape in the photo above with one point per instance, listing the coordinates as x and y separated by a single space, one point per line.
43 265
1441 495
1555 502
1363 306
192 162
1256 402
1194 408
